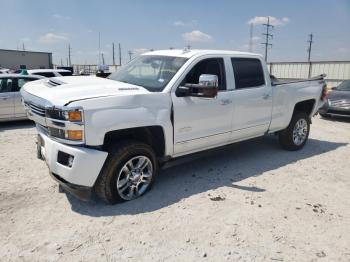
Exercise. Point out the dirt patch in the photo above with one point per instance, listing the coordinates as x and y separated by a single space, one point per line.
252 201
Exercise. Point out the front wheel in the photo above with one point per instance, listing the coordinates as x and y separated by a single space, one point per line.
296 134
129 172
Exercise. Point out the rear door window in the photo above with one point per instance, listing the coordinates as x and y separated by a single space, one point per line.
248 72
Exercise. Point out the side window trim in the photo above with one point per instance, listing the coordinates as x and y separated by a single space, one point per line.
223 71
234 72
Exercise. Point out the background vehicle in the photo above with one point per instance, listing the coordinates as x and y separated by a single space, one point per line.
338 101
50 72
109 136
11 107
4 70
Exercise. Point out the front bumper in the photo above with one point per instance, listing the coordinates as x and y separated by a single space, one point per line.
77 176
81 192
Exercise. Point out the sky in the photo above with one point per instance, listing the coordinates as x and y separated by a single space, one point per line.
141 25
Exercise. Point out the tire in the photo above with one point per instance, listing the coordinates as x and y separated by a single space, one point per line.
116 174
294 141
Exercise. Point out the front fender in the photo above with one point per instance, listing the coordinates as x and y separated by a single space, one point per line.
106 114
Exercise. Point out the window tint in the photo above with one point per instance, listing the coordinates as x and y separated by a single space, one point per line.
65 73
5 85
248 72
46 74
212 66
21 82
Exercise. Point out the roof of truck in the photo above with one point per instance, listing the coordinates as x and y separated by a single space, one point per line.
195 52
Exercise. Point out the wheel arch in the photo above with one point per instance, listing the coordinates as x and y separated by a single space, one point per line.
153 136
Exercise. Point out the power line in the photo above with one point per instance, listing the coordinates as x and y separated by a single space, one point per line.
268 36
309 48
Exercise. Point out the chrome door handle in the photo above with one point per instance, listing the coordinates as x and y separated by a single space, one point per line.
266 96
5 97
225 101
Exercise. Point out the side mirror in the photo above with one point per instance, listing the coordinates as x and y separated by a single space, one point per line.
207 87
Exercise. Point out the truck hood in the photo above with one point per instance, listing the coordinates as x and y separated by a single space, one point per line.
61 91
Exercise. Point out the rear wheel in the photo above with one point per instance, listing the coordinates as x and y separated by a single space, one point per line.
296 134
129 172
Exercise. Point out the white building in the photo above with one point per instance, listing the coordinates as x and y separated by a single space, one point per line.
16 59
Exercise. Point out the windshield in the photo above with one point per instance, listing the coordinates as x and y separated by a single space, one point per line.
149 71
344 86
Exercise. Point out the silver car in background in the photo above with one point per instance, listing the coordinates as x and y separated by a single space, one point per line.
11 107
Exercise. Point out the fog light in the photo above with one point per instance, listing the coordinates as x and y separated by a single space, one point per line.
70 161
65 159
75 134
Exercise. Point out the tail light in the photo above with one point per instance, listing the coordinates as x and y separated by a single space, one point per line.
324 94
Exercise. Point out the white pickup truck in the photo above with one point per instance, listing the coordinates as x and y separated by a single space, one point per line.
108 137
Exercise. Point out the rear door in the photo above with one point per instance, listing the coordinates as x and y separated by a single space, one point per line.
252 99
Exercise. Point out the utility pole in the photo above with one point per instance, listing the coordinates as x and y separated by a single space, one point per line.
251 37
23 47
103 59
69 54
130 54
268 36
120 55
188 46
113 53
99 48
61 62
310 41
309 49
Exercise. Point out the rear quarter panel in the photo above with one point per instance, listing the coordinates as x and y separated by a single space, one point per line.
286 96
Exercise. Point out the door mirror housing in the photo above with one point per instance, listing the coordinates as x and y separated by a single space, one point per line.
207 87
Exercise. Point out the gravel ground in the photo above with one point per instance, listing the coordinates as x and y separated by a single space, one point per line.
248 202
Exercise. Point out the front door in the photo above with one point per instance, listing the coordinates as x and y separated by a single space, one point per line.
203 122
17 85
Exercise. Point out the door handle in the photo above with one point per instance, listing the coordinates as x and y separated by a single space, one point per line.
5 97
266 96
225 101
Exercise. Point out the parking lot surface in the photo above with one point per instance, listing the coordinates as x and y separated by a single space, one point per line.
251 201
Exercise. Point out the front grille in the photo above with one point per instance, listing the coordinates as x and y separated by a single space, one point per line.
38 110
345 104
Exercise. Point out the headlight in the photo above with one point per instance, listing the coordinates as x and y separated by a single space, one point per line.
75 116
75 135
66 123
